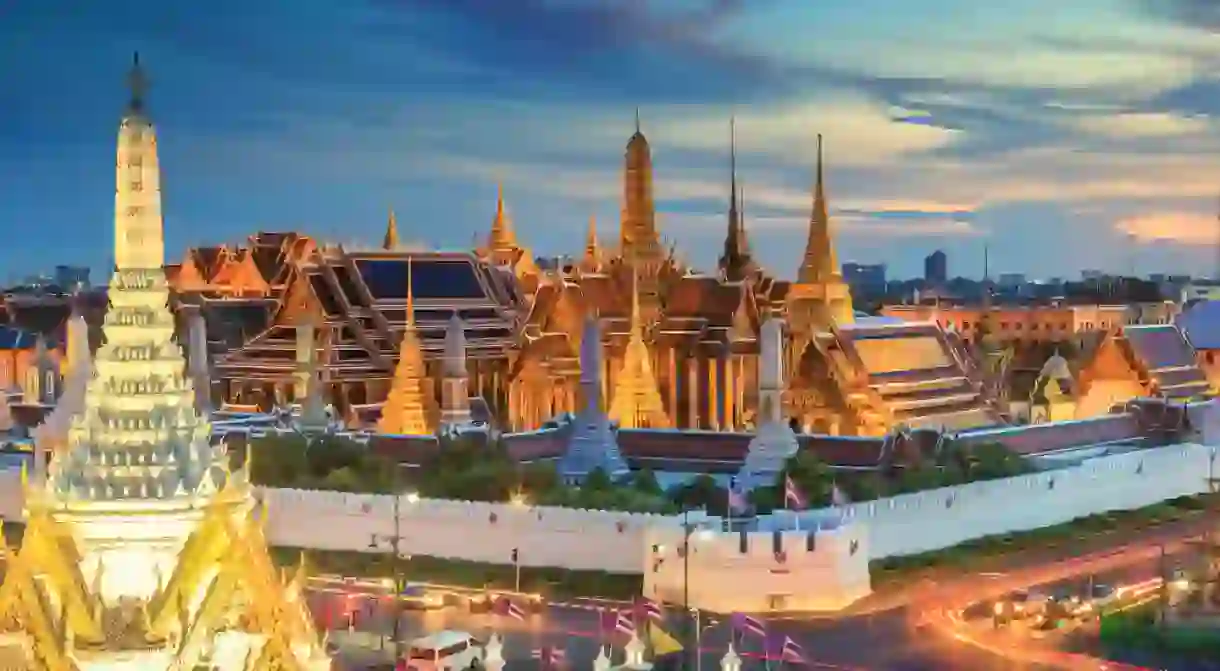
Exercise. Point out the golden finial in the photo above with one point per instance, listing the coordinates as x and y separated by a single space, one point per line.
248 464
390 241
25 475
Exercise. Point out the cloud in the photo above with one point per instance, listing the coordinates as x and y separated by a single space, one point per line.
1190 228
858 131
1146 124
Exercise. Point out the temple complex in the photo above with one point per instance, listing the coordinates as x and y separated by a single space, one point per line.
681 347
141 550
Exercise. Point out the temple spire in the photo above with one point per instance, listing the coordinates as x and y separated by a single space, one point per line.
404 412
137 83
593 260
502 243
735 262
821 264
390 241
637 403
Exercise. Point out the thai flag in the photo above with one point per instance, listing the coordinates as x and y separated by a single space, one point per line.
838 497
749 625
505 606
647 609
550 656
624 623
791 652
737 501
793 498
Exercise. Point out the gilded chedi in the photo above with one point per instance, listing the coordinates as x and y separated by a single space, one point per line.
141 550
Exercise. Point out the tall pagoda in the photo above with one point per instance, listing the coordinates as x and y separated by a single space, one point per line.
141 549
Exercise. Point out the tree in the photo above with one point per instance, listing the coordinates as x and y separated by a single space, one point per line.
645 482
701 492
597 481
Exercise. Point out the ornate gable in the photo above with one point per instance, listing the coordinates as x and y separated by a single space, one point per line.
1111 361
189 277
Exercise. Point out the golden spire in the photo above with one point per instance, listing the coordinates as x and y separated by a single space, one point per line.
390 242
637 403
821 264
593 252
404 412
502 238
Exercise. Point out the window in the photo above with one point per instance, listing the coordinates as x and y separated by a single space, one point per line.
137 185
134 210
135 161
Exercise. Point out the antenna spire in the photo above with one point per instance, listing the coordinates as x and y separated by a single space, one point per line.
138 85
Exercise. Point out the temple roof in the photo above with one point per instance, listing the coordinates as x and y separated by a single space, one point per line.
1201 324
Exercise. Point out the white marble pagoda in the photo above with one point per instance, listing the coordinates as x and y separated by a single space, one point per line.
455 386
592 443
774 441
141 551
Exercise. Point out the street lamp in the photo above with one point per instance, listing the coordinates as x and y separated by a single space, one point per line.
395 542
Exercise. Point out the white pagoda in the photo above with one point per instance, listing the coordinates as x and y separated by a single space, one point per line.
141 551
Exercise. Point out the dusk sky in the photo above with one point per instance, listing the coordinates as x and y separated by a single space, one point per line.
1064 135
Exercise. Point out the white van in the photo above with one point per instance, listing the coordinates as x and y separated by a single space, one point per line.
445 650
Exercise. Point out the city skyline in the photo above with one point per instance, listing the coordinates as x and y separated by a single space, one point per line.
1091 148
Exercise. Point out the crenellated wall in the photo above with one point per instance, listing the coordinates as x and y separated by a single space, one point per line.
484 532
819 569
939 518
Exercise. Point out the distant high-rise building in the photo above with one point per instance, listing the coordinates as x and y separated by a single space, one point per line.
71 278
867 278
936 267
1011 280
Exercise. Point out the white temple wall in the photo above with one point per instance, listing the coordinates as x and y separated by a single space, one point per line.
940 518
822 570
475 531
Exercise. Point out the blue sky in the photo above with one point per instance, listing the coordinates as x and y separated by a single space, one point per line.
1064 135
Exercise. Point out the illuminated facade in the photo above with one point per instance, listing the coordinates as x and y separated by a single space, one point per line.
141 550
680 348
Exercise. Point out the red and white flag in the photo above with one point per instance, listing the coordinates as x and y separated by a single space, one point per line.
791 652
737 501
838 497
508 608
625 623
649 610
793 498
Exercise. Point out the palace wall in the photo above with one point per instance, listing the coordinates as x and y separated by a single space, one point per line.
759 571
939 518
484 532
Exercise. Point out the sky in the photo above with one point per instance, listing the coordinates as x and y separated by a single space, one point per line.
1059 135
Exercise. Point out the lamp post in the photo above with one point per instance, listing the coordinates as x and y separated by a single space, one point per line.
394 541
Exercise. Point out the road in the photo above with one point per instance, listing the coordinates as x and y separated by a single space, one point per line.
910 627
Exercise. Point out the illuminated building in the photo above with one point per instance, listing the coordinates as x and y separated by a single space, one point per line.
141 550
680 347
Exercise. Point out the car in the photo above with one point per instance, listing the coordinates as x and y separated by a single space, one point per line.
1020 605
1101 595
444 651
418 597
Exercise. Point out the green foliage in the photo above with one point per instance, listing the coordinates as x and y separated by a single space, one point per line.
645 482
702 492
324 462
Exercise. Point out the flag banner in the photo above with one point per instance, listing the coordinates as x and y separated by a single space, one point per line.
624 623
793 498
662 642
647 609
838 497
791 652
737 501
505 606
748 625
